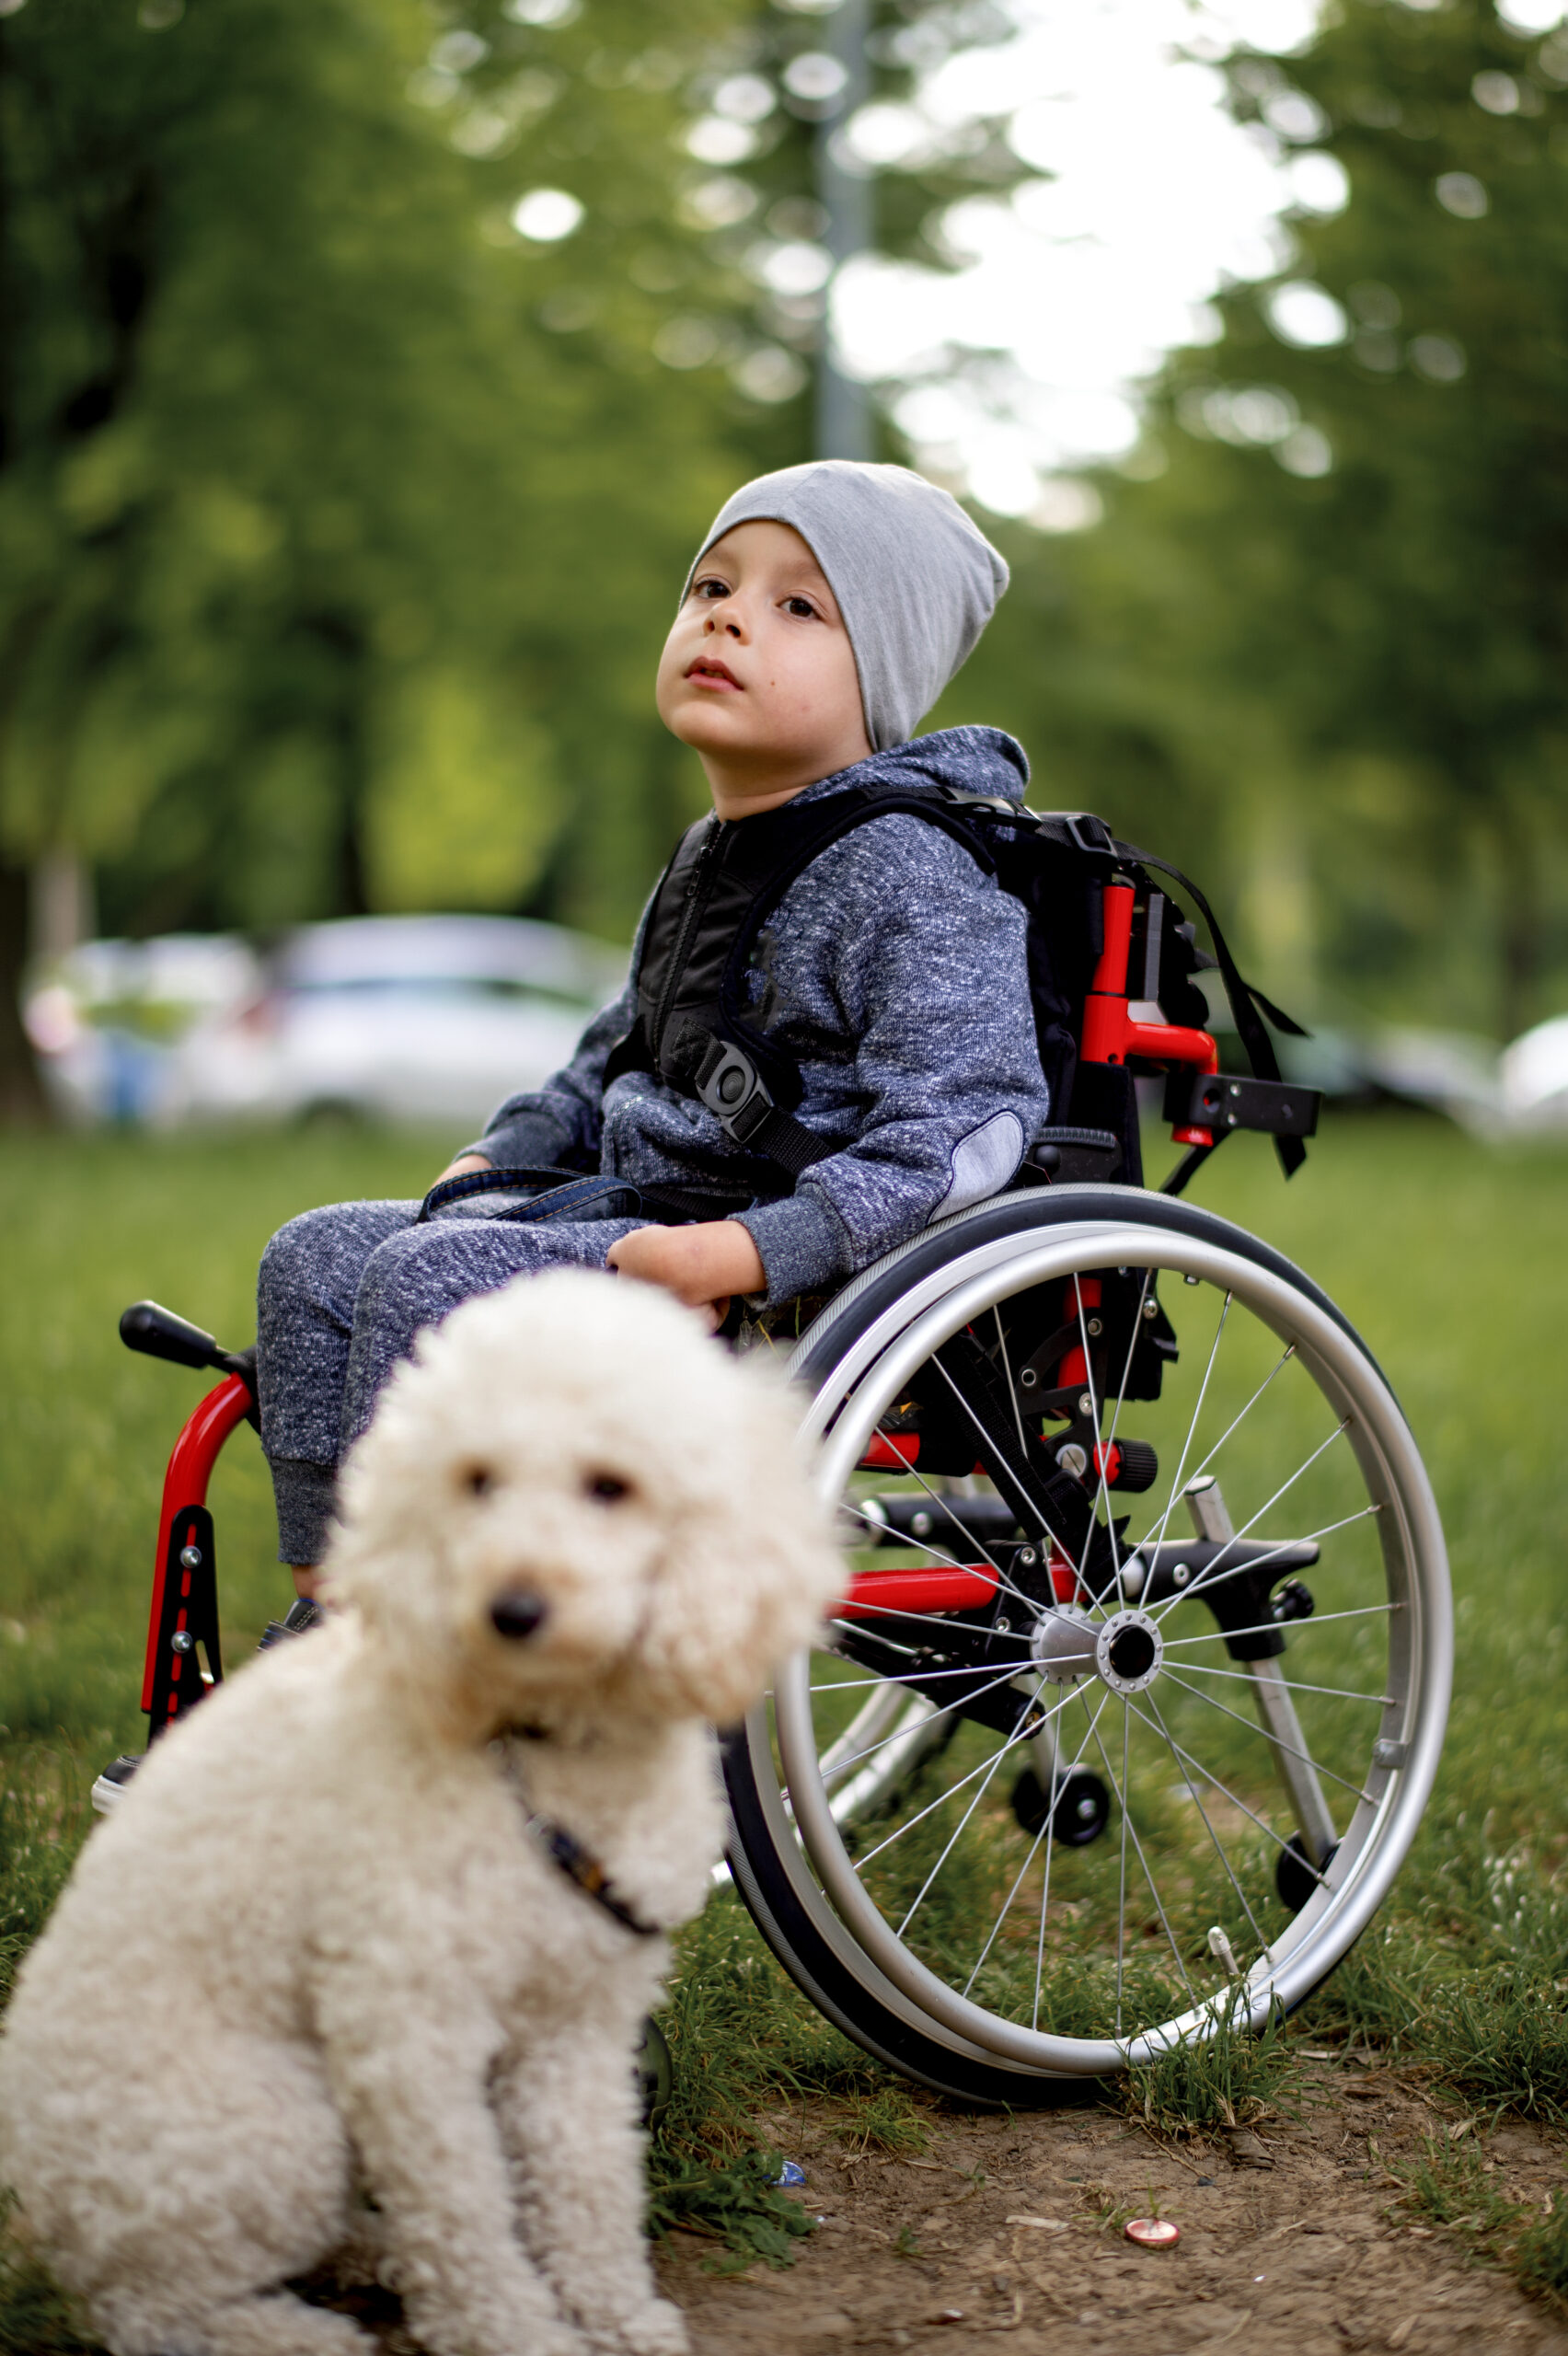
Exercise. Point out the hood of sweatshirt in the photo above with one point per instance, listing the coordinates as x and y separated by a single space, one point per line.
972 760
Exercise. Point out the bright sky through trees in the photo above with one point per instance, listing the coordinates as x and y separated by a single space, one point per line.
1078 284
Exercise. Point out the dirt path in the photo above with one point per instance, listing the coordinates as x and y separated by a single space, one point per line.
1295 2247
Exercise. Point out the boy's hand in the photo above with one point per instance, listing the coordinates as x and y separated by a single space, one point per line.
702 1266
464 1161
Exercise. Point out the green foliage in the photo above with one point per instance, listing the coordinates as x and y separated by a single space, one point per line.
341 520
37 2318
1501 2039
736 2200
1319 643
742 2038
1451 2186
310 460
742 2034
42 1825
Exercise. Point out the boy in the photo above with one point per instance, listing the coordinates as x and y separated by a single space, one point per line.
828 607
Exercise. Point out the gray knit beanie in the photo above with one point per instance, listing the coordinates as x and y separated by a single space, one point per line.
917 581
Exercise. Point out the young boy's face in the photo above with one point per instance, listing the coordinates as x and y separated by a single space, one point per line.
757 675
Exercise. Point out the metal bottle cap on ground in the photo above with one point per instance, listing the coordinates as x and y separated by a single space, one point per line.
1154 2233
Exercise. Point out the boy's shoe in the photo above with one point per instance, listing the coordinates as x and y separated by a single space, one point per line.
302 1613
110 1787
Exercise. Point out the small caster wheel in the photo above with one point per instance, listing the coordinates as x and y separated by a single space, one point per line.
654 2072
1294 1878
1081 1808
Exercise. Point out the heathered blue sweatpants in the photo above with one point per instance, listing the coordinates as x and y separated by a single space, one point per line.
341 1293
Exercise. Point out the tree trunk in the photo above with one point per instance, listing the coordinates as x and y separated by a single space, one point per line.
23 1103
1519 921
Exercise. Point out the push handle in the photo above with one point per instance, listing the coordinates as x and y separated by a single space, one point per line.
159 1334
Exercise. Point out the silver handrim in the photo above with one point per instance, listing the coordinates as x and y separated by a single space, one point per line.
1359 1749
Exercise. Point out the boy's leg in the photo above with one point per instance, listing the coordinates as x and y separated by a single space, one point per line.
305 1314
417 1276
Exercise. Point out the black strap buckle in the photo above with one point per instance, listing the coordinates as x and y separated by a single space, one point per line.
729 1085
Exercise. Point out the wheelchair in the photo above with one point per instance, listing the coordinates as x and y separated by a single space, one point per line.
1136 1690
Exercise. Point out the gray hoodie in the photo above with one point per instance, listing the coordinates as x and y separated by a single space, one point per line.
894 971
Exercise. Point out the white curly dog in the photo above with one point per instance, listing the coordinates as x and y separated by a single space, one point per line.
321 1989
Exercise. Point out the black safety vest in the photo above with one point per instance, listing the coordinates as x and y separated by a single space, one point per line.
692 1029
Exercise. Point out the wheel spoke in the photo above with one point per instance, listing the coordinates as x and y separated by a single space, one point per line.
1193 1420
843 1764
1273 1741
1103 1494
1006 1908
1271 1627
1050 1837
1209 1578
1012 1387
1121 1874
1278 1367
899 1611
963 1822
1209 1828
1280 1546
906 1677
1189 1760
987 1440
1333 1692
947 1505
1130 1828
954 1789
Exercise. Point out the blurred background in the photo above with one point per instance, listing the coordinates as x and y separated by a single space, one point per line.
372 367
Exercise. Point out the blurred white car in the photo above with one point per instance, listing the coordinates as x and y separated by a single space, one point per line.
422 1019
427 1019
1535 1078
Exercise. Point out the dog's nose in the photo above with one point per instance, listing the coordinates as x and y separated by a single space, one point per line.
517 1615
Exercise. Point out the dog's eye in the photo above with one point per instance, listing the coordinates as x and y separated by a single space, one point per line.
605 1488
478 1480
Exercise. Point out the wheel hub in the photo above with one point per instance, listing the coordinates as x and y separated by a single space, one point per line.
1128 1652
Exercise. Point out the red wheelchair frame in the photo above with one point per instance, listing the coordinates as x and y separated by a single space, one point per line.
184 1614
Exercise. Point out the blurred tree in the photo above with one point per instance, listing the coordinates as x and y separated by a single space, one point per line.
1333 631
311 466
369 369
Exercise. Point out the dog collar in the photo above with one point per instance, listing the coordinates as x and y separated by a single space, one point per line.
577 1863
580 1866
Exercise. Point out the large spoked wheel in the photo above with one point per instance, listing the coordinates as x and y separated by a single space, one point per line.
1138 1740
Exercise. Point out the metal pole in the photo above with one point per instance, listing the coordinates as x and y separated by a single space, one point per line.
843 410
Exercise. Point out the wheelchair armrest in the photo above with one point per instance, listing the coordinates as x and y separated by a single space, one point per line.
1068 1156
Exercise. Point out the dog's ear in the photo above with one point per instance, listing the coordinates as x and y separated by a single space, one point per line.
750 1565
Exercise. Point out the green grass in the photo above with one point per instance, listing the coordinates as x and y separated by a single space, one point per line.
1451 2186
1447 1258
1226 2080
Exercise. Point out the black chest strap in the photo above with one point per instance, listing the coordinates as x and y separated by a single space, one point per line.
712 901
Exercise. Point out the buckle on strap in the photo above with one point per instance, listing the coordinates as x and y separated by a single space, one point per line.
729 1083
